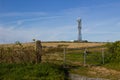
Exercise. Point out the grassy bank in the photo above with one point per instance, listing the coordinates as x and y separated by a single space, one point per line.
43 71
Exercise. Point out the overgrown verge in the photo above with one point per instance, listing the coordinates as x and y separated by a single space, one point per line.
42 71
113 56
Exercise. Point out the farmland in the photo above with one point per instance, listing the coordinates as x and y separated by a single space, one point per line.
74 45
53 53
55 44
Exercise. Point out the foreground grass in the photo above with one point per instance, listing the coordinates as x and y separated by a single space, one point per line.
115 66
94 67
43 71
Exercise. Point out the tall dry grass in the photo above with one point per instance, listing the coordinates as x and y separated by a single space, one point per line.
24 53
17 54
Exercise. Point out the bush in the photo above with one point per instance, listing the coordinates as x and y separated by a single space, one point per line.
113 52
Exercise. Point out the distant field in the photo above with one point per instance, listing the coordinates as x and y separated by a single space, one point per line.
74 45
55 44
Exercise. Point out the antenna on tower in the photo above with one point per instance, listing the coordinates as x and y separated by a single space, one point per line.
79 29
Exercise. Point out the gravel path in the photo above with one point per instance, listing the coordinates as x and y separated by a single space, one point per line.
78 77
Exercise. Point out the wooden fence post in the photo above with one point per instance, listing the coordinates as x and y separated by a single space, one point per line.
85 53
64 55
103 56
38 48
64 52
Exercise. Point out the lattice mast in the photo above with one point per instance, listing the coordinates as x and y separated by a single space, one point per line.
79 30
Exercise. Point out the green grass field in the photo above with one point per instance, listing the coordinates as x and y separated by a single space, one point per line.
43 71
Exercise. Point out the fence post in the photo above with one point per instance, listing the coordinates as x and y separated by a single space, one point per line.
85 52
38 48
64 59
103 56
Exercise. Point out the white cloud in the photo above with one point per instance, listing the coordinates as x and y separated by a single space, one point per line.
30 19
19 22
37 19
12 14
11 34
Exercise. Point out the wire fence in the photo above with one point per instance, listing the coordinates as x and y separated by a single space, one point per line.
60 54
77 56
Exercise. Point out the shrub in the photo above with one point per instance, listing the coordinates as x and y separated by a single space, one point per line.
113 52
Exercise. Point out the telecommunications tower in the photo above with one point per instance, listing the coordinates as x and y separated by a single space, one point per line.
79 30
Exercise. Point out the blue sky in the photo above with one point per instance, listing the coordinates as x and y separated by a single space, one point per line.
51 20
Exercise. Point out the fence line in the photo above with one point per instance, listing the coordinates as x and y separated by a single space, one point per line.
34 54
